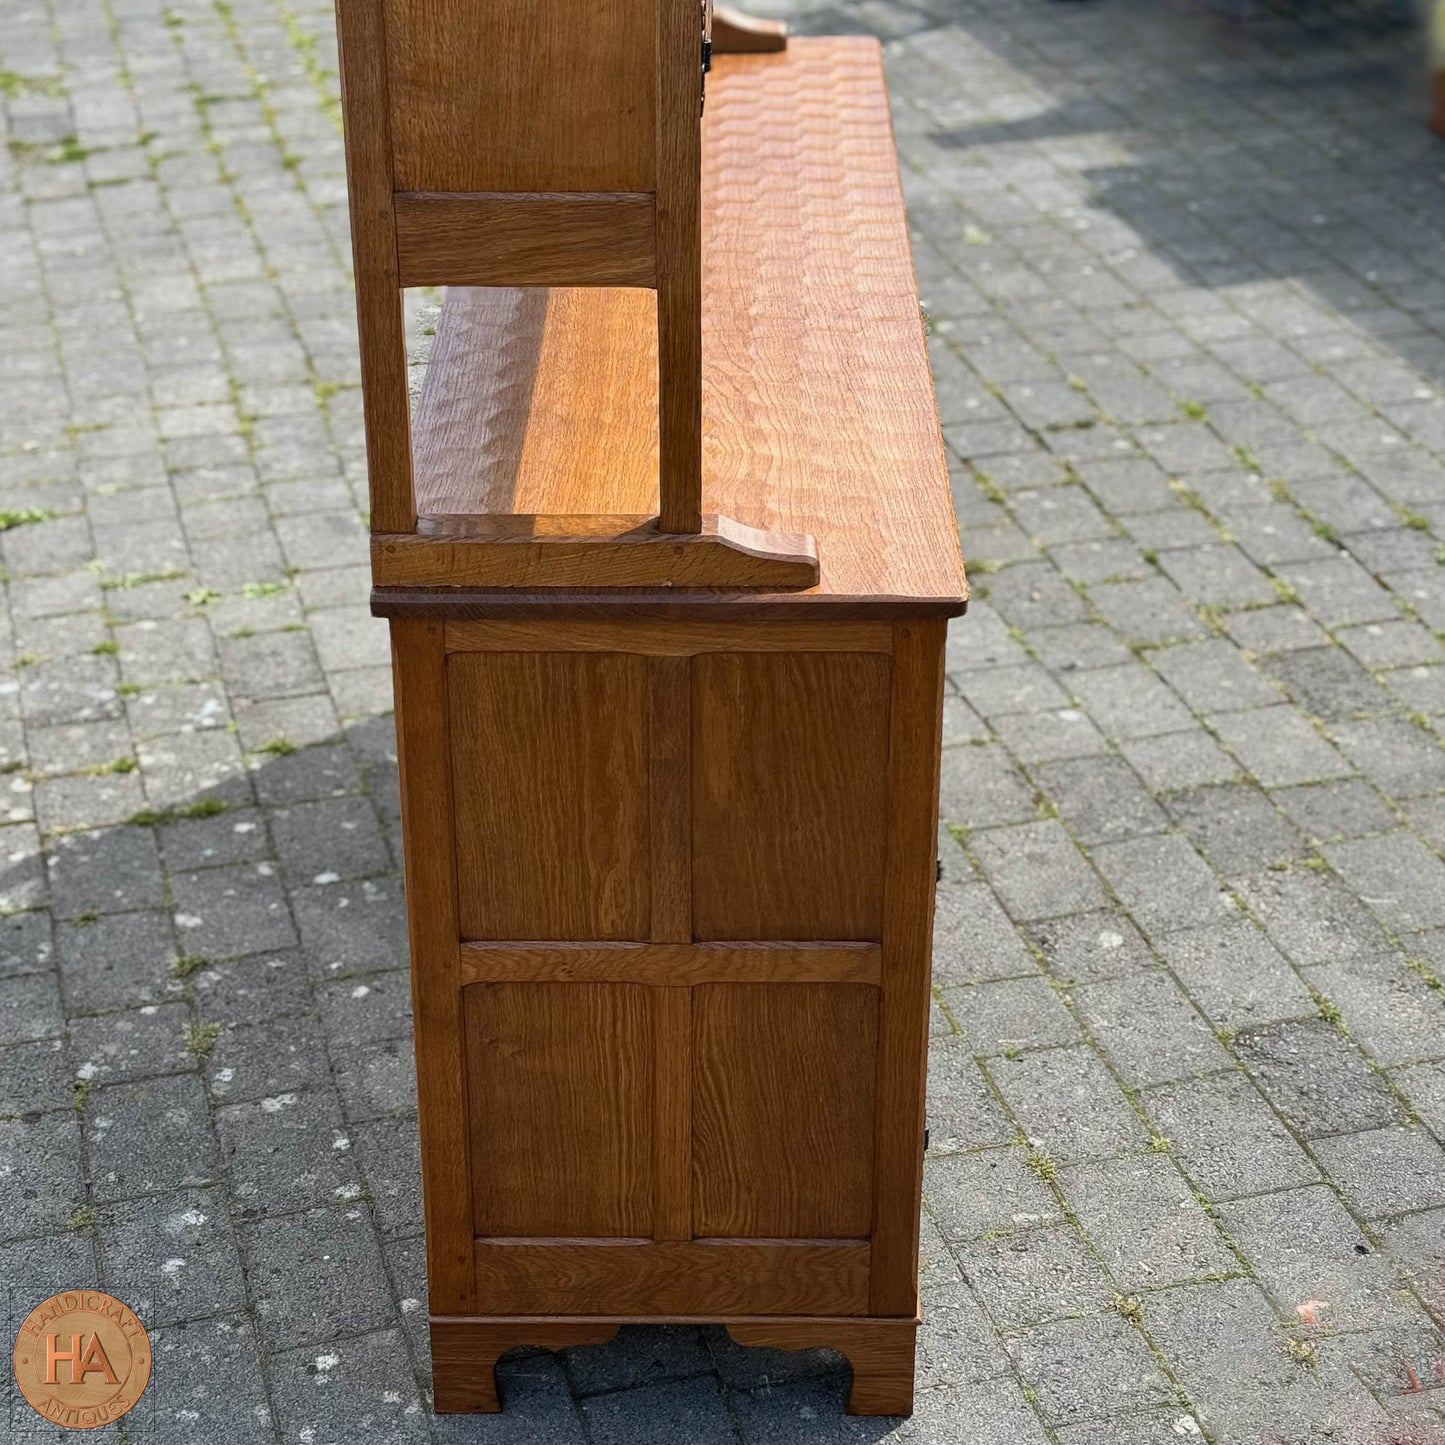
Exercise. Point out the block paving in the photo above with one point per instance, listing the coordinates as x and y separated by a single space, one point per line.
1185 288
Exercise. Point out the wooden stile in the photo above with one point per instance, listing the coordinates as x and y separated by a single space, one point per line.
668 553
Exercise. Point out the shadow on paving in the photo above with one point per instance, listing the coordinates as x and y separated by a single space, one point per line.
212 1085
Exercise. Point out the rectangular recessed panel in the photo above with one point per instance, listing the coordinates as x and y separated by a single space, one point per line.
783 1110
789 792
549 773
515 95
560 1108
672 1277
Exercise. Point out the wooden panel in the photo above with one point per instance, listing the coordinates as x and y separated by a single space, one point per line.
673 963
590 551
560 1105
445 239
550 777
788 757
915 738
672 1216
361 48
649 604
662 639
512 95
707 1277
669 744
783 1109
426 813
818 413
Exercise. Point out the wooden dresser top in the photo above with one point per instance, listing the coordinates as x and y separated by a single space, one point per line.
818 409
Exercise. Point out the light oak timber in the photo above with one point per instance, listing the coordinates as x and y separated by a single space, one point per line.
361 47
914 743
542 239
709 1276
679 266
573 551
817 411
677 964
880 1351
419 676
514 95
667 639
734 33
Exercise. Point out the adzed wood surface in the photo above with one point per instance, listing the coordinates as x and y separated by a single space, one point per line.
818 413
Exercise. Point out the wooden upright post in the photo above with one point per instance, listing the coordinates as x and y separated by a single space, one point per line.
679 265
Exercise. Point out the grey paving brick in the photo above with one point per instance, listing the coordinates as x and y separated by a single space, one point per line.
1130 701
1036 870
1401 759
1386 1171
1089 1368
1101 799
206 1377
286 1152
1212 676
982 786
1311 916
1343 809
1163 882
1227 1138
963 1111
1229 1352
1316 1078
1089 947
1145 1221
362 1387
132 1043
1278 746
173 1257
1314 1260
1067 1102
970 1194
40 1162
1148 1028
256 1061
148 1135
1009 1015
1034 1275
1149 611
690 1409
1235 975
973 939
309 1271
1396 875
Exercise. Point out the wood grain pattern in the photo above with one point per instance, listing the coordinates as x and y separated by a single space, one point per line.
560 1107
361 47
515 96
672 1216
818 415
551 794
669 773
915 737
648 605
546 239
783 1110
418 664
734 33
667 639
679 264
582 551
465 1353
663 964
716 1277
880 1351
788 756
